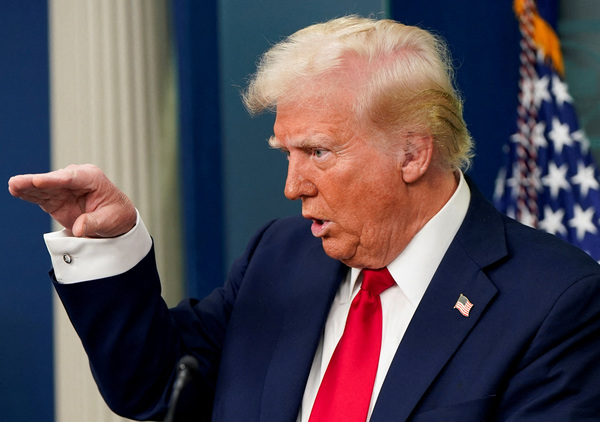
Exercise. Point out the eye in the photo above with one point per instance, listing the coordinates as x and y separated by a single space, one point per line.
320 153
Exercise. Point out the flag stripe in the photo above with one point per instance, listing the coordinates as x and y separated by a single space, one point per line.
549 180
463 305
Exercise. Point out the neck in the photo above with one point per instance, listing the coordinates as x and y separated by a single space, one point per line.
426 197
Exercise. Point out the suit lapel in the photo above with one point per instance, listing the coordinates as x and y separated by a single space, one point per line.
434 334
311 294
437 330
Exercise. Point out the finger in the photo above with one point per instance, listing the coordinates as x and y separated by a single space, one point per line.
23 188
19 184
81 198
41 185
60 187
73 177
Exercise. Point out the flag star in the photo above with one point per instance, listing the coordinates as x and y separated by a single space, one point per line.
527 217
560 135
585 178
560 91
552 221
539 140
540 91
584 142
556 178
517 138
582 221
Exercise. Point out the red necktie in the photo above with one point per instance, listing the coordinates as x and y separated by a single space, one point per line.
347 386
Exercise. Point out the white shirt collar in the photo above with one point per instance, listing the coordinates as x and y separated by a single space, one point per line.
413 269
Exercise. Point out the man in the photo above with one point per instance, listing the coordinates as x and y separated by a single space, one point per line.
485 319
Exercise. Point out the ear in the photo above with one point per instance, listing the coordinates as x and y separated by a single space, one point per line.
418 152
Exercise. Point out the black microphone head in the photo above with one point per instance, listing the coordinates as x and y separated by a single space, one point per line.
188 362
187 368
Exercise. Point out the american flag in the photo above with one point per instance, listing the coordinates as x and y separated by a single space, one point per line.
550 179
463 305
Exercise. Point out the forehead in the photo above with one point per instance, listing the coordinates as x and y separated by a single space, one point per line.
313 121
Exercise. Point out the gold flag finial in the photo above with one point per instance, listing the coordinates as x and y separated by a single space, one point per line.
541 32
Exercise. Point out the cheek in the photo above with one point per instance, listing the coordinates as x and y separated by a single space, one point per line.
346 195
370 216
358 195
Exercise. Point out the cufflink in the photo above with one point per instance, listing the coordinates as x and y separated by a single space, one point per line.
67 258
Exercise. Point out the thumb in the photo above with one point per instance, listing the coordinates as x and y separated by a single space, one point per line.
105 222
84 226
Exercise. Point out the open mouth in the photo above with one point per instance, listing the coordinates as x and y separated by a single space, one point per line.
318 227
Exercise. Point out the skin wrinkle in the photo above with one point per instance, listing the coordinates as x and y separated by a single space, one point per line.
372 201
81 198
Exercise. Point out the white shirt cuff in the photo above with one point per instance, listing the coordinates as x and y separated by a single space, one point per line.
78 259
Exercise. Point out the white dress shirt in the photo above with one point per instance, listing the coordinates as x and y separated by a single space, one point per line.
81 259
412 270
76 259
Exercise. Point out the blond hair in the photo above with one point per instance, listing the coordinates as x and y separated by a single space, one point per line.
402 80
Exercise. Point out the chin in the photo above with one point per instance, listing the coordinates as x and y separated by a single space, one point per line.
334 249
349 255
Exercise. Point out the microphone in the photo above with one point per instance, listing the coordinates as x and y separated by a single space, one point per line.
186 368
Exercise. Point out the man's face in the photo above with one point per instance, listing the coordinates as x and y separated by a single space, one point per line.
350 188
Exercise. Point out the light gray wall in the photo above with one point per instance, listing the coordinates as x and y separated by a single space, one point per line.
254 175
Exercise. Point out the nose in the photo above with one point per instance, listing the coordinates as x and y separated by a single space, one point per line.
298 184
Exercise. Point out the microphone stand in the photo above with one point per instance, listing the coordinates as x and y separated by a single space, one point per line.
186 368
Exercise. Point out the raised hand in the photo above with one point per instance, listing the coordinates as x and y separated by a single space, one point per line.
80 198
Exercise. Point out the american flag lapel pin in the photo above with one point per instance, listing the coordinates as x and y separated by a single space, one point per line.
463 305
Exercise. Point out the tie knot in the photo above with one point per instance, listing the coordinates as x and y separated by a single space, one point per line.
377 281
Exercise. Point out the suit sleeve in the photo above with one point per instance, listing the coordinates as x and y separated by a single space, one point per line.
557 378
133 341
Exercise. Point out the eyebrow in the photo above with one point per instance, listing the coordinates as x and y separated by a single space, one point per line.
310 143
274 143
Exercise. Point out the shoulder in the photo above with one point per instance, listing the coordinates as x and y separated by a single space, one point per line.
500 244
540 275
283 231
283 239
538 252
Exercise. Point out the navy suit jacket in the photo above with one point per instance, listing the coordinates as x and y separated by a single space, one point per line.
528 351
